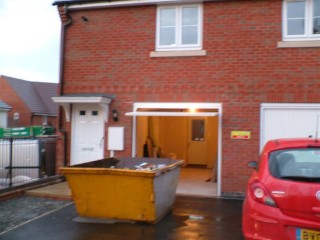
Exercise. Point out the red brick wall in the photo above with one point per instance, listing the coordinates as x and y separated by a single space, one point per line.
243 68
37 120
9 96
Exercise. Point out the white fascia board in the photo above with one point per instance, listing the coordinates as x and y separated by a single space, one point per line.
126 4
173 114
63 99
174 105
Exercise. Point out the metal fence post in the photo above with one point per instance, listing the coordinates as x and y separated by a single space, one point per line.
11 161
43 159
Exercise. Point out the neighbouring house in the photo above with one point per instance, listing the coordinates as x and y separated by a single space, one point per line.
205 81
27 103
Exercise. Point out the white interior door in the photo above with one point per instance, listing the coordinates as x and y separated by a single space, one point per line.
87 143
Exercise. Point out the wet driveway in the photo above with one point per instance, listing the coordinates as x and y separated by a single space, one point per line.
191 219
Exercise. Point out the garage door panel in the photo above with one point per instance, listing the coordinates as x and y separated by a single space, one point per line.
288 122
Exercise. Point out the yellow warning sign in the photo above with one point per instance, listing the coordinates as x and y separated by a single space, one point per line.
240 135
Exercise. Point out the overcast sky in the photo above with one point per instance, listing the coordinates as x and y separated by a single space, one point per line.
29 40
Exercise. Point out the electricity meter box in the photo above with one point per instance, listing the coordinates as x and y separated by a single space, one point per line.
116 138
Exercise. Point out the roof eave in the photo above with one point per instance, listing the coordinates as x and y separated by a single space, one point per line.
87 4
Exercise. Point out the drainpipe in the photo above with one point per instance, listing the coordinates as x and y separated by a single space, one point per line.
62 48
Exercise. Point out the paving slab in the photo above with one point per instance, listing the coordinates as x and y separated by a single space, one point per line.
58 190
192 218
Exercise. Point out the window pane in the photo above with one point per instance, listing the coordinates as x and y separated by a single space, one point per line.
189 35
296 9
197 130
316 17
296 27
167 36
189 25
296 18
316 8
167 17
167 27
189 16
316 26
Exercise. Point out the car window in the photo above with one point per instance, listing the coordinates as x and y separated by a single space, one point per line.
302 164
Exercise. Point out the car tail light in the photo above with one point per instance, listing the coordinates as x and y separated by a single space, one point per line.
260 194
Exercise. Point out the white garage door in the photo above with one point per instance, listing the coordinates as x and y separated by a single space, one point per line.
288 121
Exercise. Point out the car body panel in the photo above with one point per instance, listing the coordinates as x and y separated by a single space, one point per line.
295 199
297 203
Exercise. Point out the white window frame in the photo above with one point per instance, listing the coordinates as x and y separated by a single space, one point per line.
178 45
308 23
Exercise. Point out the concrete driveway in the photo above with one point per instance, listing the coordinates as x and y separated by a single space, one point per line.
192 218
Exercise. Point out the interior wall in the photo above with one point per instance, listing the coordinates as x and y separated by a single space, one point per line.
167 133
170 134
173 141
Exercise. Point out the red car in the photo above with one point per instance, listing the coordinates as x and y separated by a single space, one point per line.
283 193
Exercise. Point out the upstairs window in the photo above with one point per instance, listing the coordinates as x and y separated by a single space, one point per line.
179 27
301 20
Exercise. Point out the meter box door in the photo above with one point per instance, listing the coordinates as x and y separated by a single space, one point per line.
116 138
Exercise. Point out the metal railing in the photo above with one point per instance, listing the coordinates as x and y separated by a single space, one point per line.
26 159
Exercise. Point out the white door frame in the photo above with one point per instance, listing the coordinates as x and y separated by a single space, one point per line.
148 105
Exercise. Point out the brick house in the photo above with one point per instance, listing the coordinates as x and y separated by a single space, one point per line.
28 103
205 81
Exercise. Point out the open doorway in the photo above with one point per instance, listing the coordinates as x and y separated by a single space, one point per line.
192 139
177 133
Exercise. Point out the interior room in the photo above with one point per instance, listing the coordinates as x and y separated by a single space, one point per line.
192 139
